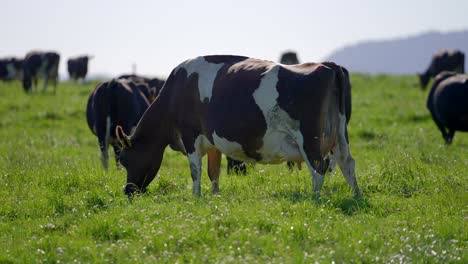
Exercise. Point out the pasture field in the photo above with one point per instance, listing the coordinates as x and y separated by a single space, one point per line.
57 203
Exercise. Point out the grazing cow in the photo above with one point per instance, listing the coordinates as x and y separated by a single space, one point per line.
117 102
252 110
155 84
447 102
44 64
78 67
11 69
443 60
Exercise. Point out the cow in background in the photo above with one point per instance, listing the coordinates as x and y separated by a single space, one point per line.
443 60
40 64
289 58
155 84
11 69
116 102
78 67
448 103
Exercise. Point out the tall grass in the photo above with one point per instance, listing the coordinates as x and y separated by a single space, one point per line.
59 205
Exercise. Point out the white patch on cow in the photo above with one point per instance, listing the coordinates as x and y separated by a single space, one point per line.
206 75
230 148
280 142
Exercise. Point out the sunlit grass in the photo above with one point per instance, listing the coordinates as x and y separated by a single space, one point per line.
59 205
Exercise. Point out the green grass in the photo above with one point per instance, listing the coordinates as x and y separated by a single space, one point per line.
57 204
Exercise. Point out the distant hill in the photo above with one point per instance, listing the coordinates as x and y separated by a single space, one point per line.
398 56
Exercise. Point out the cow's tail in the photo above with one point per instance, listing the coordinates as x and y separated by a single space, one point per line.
104 120
108 113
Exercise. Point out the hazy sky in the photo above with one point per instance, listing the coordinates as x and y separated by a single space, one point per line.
157 35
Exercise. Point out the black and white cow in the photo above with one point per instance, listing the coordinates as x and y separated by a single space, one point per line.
40 64
443 60
11 69
116 102
448 103
78 67
252 110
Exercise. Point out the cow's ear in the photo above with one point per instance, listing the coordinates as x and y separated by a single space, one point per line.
123 139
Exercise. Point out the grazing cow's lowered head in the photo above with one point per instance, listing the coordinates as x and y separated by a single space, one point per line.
443 60
251 110
447 102
115 103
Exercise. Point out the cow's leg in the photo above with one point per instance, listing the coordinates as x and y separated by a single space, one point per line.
236 166
441 127
214 164
332 165
449 138
35 83
317 178
46 80
315 163
103 133
343 157
195 160
104 153
55 80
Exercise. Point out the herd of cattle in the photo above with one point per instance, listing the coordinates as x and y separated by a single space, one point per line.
251 110
45 65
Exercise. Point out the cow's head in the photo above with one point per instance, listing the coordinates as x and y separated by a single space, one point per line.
141 158
423 80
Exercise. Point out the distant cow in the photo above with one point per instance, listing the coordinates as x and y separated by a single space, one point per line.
448 103
112 103
155 84
289 58
11 69
78 67
252 110
443 60
40 64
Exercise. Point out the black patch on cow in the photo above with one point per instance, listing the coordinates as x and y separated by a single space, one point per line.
185 107
230 59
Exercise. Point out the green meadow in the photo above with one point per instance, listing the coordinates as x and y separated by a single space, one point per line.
58 205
